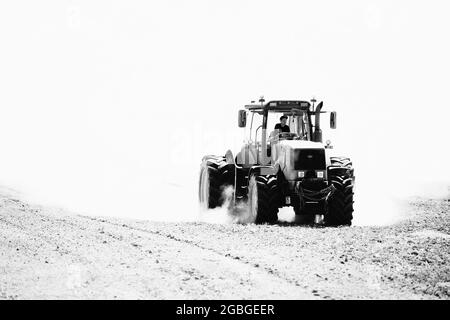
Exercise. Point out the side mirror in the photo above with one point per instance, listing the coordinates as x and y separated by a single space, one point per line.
242 118
333 119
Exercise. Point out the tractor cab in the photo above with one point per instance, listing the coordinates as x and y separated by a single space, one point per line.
297 121
259 121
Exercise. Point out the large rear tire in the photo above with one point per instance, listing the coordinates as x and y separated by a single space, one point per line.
263 198
340 204
215 176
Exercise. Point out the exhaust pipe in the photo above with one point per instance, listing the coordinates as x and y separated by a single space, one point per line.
317 130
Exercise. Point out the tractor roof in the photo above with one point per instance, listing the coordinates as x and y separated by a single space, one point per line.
281 106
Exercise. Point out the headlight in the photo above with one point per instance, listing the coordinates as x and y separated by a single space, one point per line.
319 174
301 174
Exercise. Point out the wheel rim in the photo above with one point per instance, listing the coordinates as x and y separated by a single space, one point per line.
253 199
204 189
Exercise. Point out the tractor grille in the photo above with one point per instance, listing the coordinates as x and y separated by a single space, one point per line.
309 159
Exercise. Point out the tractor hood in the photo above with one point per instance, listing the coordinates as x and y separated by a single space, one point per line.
301 144
300 155
305 144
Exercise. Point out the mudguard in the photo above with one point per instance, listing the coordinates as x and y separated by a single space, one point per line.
265 170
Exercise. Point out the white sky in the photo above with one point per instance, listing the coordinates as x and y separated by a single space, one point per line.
105 105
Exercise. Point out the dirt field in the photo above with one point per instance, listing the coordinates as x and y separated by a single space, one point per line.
46 253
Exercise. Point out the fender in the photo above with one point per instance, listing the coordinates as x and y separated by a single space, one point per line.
229 157
265 170
209 156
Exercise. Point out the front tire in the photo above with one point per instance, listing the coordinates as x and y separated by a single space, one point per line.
263 198
340 204
215 176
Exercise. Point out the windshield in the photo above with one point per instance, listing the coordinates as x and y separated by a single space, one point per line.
296 121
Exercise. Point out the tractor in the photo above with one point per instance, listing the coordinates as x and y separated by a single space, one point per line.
275 169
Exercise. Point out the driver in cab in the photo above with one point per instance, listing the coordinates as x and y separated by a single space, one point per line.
282 126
